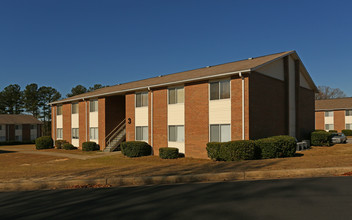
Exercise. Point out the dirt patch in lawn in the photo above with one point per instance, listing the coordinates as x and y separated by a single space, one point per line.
24 166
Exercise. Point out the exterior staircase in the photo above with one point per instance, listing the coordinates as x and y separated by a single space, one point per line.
116 137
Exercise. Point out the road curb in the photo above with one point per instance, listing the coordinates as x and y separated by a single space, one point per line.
156 180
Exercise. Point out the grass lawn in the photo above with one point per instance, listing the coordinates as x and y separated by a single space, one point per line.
16 165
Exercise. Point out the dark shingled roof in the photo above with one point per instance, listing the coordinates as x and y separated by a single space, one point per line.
6 119
206 72
333 104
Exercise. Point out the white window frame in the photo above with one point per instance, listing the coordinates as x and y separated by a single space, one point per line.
74 104
141 94
142 133
59 110
329 126
219 131
75 133
93 137
348 112
59 133
350 124
93 102
327 114
176 96
219 82
176 135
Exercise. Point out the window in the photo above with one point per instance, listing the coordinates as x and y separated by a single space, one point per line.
220 133
33 137
93 105
2 138
220 90
93 133
348 112
59 110
176 95
59 133
349 126
142 133
329 114
18 127
74 108
141 99
33 127
75 133
18 138
329 126
176 133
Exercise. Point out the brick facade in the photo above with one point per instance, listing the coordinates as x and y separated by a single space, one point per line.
305 113
130 117
319 121
196 119
26 132
66 122
159 120
101 123
82 114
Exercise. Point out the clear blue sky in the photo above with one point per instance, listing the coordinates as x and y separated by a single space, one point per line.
62 43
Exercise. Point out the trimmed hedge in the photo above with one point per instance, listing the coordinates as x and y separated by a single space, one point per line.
45 142
90 146
168 153
332 131
60 143
136 149
321 138
68 146
277 146
347 132
233 150
213 149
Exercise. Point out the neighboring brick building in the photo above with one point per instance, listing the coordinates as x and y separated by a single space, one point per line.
333 114
247 99
19 128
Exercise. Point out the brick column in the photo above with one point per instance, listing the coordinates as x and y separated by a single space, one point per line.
130 117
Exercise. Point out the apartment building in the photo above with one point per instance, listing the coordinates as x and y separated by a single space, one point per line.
247 99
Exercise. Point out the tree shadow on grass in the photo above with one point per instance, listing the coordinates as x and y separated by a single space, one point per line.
298 155
6 151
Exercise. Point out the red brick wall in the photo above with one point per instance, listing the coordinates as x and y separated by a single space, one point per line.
159 120
82 122
320 120
196 120
101 122
53 124
339 120
26 132
130 114
11 130
66 122
267 106
305 113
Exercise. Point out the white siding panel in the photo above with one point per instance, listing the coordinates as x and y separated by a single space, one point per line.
292 101
75 142
329 120
220 111
348 119
274 69
176 114
93 119
179 145
75 121
59 121
303 82
141 116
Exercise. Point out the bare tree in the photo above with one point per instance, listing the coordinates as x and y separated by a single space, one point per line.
326 92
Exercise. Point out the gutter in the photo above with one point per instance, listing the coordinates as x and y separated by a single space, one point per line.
153 86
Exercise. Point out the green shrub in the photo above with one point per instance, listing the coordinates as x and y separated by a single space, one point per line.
347 132
68 146
321 138
168 153
90 146
239 150
45 142
213 149
277 146
332 131
60 143
136 149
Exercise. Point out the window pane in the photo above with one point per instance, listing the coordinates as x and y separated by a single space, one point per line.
180 95
145 133
138 100
59 110
93 106
214 133
348 126
74 108
329 114
172 133
172 96
225 133
144 99
180 133
214 91
348 112
224 89
138 133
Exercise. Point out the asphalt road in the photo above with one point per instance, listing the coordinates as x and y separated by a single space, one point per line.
317 198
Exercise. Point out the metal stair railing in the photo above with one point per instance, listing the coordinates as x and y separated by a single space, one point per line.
115 132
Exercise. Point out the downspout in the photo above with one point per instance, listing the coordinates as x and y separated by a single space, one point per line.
86 120
243 126
151 116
